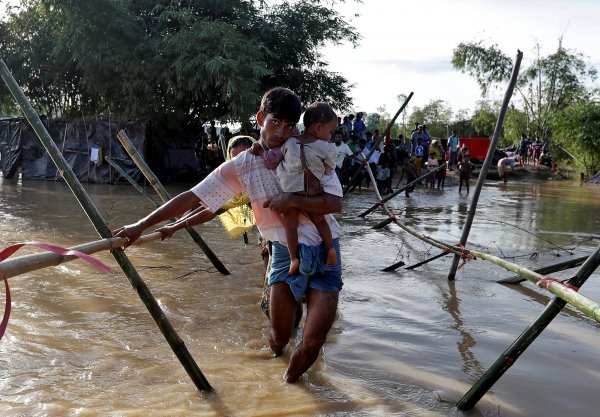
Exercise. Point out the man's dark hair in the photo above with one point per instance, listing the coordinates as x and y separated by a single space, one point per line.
318 112
282 103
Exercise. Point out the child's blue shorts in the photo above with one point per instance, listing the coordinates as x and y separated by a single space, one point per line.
313 272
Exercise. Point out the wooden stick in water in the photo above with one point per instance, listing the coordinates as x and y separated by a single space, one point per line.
395 193
131 181
487 162
561 266
176 343
164 195
356 174
22 264
514 351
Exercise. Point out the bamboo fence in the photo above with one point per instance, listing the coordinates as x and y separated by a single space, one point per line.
164 195
101 226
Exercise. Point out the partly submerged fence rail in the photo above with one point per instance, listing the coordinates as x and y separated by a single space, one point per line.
27 263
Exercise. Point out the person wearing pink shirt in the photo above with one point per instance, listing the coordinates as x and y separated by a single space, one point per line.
279 112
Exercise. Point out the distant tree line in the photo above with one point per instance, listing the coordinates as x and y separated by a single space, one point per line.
555 101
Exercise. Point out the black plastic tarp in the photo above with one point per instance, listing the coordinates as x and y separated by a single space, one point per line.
78 141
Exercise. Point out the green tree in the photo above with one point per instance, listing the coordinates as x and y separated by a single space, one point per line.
575 132
180 62
484 119
515 124
436 115
380 120
546 87
461 123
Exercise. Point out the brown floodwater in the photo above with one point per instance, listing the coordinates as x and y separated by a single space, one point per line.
406 343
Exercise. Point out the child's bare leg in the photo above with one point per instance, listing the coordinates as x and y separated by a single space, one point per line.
290 222
325 232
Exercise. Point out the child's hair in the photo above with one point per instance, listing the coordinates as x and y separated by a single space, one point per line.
283 103
318 112
236 141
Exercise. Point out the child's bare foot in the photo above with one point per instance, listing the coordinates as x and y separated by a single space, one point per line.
331 257
294 266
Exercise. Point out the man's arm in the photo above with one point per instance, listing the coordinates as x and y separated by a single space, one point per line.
172 208
320 204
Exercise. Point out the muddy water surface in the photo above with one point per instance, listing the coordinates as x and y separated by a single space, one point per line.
406 343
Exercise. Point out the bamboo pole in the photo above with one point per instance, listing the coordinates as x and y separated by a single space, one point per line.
583 304
572 263
487 162
395 193
22 264
388 128
426 261
131 181
393 267
382 223
103 230
509 357
164 195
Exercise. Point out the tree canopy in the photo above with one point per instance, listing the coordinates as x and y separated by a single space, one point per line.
554 97
547 86
181 61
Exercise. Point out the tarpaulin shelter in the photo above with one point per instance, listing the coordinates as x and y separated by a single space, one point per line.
85 142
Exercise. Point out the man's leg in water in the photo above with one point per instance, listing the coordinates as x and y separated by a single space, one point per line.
321 310
282 306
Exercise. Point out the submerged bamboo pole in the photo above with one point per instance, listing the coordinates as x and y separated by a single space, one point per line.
572 263
426 261
487 162
583 304
395 193
387 130
164 195
393 267
509 357
104 231
131 181
22 264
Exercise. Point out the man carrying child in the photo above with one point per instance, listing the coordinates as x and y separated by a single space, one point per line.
279 112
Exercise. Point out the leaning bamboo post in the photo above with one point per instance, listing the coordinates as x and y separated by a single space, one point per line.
164 195
131 181
22 264
426 261
487 162
104 231
508 358
377 142
572 263
578 301
395 193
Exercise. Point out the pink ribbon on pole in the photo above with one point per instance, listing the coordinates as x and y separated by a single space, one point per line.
52 248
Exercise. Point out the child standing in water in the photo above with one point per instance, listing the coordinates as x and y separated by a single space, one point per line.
306 158
464 168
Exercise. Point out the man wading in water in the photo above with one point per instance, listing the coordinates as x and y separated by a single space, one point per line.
279 112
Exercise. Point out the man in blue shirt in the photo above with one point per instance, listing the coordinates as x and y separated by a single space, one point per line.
453 146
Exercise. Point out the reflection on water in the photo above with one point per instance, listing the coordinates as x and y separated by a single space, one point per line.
451 305
406 343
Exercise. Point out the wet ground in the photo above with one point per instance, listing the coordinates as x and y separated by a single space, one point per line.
406 343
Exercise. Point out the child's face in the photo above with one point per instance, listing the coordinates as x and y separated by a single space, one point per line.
274 132
324 130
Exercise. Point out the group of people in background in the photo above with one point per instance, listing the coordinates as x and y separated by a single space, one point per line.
534 152
409 157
